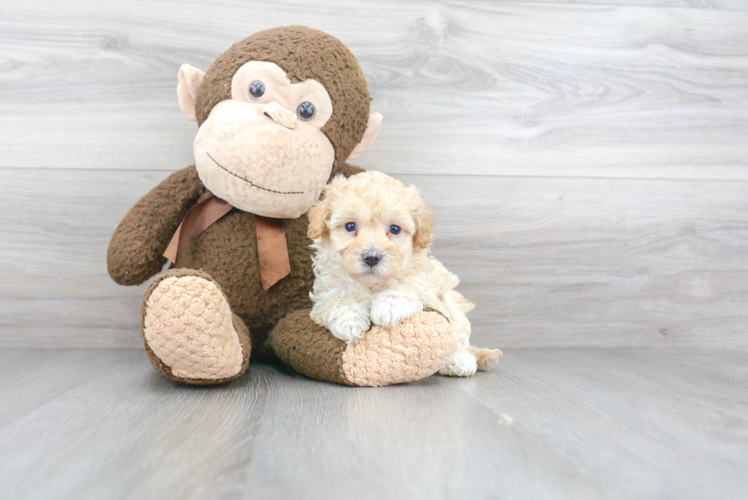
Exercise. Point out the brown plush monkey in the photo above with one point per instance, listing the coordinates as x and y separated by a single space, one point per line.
279 113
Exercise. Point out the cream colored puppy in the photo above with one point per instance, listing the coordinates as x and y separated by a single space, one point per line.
372 238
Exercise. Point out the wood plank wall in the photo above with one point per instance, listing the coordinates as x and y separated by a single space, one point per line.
587 162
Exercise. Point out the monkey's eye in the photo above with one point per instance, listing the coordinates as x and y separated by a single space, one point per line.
257 89
394 229
306 111
350 226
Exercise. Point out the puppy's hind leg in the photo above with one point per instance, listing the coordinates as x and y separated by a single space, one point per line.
459 364
462 363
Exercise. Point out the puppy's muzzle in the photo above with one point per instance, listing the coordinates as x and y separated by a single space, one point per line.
371 259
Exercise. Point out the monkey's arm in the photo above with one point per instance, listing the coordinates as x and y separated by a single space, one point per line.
349 170
137 244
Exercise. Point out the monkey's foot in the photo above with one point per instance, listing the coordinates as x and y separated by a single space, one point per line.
411 350
190 334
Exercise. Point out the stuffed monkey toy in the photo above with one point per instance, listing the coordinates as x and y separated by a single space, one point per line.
278 115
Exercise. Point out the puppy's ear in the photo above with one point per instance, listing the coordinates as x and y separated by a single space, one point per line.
424 220
317 218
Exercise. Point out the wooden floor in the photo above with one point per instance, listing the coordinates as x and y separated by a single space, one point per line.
548 423
587 162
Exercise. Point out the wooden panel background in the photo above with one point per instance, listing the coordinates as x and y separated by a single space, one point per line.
587 163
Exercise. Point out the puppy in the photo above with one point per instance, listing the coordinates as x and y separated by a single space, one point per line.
372 264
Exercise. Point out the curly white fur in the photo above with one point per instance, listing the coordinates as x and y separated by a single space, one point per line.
348 294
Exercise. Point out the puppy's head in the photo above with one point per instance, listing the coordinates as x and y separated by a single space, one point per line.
374 222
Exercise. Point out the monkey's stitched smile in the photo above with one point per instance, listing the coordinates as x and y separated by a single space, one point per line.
250 182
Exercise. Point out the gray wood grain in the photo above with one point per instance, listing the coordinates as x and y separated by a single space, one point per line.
549 262
587 164
554 109
500 88
691 4
544 424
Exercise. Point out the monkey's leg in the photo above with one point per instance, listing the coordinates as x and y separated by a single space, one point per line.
411 350
190 333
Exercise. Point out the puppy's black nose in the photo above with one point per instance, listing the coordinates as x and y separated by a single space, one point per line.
371 259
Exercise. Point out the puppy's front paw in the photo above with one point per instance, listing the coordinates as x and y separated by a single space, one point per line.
459 364
391 307
350 326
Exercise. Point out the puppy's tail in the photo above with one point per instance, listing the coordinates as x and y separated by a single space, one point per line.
463 304
485 358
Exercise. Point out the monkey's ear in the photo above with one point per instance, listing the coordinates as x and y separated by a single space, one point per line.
190 79
318 219
372 129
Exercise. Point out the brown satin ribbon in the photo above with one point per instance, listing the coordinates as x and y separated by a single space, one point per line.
198 219
272 248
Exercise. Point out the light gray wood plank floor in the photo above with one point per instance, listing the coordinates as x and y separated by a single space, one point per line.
548 423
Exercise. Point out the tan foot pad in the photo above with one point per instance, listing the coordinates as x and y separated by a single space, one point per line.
412 350
188 325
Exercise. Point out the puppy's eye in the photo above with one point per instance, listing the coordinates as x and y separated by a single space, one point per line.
350 226
257 89
306 111
394 229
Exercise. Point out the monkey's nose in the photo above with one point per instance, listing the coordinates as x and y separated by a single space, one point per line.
279 114
371 259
